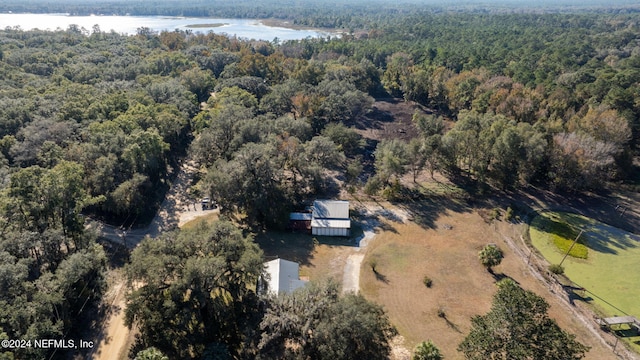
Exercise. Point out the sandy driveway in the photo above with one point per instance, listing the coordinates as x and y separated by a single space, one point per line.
176 209
351 278
370 221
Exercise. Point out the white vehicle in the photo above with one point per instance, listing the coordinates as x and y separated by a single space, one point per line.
208 204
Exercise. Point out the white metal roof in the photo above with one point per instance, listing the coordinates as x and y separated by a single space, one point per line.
330 209
331 223
284 276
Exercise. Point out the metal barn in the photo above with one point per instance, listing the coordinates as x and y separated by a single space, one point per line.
330 218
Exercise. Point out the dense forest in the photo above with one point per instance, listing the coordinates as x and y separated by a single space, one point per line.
95 124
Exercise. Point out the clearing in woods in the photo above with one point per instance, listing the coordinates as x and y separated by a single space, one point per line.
447 252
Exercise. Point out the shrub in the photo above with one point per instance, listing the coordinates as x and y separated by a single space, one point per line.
442 313
495 214
427 281
489 215
427 350
393 192
490 255
556 269
509 214
373 185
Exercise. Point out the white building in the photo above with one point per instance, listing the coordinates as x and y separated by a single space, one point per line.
330 218
283 276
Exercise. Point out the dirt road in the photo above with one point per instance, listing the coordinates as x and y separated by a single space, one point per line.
114 345
175 210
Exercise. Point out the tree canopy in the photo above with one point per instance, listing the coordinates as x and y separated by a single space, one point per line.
193 288
518 327
316 322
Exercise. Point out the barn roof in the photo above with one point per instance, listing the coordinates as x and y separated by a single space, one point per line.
284 276
330 209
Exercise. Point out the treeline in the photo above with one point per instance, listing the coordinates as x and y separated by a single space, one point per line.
336 14
80 136
558 92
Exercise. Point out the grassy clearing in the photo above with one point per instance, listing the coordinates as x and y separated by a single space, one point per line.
208 219
609 275
556 230
406 254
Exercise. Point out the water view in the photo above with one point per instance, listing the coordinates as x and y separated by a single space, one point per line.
242 28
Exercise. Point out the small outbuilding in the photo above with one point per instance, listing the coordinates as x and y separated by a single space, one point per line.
330 218
300 221
283 277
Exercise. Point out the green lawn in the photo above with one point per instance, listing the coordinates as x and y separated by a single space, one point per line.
562 233
610 273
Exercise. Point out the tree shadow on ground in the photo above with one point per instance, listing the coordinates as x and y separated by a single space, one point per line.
425 210
298 246
380 277
501 276
605 206
426 204
293 246
387 227
449 323
117 254
608 239
576 293
602 238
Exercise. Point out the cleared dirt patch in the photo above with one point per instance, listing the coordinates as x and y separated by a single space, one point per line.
389 119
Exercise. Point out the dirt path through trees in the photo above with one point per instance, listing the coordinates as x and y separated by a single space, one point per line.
176 209
114 345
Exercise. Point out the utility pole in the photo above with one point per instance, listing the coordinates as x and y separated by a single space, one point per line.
571 247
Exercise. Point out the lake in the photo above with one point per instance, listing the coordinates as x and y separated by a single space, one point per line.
242 28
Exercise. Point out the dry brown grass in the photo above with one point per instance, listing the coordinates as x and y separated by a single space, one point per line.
319 259
405 253
205 217
461 287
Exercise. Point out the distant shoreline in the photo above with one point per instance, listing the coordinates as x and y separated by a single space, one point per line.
258 29
214 25
289 25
